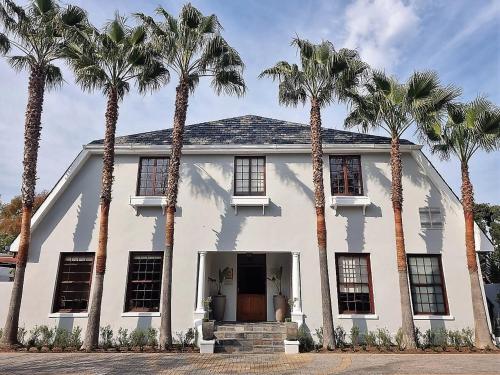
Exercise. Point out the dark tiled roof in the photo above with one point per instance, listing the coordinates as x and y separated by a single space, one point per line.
249 130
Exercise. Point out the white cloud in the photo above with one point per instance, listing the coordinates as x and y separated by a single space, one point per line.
379 28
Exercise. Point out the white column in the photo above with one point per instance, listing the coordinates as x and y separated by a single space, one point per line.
201 282
297 315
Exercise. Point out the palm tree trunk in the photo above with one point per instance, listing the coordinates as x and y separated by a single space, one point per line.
319 200
181 105
397 205
92 333
32 129
482 332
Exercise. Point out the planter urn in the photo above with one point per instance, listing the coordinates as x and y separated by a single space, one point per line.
280 307
207 329
219 306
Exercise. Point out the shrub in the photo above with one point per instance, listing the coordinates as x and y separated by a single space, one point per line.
106 337
306 343
34 339
319 335
151 339
429 338
1 333
384 338
468 337
75 340
138 338
399 338
370 339
441 338
61 338
455 338
418 338
123 338
354 336
47 336
21 333
339 335
189 339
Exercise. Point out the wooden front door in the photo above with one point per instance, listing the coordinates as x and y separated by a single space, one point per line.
251 306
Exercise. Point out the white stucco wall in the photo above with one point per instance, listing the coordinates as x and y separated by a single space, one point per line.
205 221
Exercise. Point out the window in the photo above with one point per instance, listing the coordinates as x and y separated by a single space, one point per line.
144 281
427 286
249 175
345 175
430 218
73 282
354 284
153 174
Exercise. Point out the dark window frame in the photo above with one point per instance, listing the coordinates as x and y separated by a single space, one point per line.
56 297
442 284
346 175
129 282
139 180
370 282
249 192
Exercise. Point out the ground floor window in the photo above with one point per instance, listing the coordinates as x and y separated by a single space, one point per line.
73 282
144 281
427 284
354 284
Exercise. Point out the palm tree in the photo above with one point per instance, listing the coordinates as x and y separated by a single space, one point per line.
109 61
323 76
394 107
35 34
468 128
192 47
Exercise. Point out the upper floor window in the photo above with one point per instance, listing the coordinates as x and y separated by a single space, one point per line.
144 281
354 284
427 284
345 175
249 175
430 218
73 282
153 174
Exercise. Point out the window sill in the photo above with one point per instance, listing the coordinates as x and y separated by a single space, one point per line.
350 201
132 314
148 201
358 316
69 315
433 317
249 201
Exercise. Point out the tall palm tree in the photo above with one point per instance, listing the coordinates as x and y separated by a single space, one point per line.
109 60
192 47
323 76
35 34
394 107
468 128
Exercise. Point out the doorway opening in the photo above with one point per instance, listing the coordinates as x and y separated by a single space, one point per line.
251 305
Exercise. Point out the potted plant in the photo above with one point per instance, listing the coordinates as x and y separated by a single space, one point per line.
219 300
207 325
279 300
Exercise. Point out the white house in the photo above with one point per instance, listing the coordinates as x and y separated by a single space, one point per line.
246 202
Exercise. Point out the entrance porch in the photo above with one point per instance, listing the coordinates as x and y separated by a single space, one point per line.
247 289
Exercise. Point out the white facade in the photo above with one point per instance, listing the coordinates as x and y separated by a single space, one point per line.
209 228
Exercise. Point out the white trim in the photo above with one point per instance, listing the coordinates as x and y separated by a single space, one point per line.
135 314
69 315
358 316
147 201
249 149
350 201
433 317
249 201
58 189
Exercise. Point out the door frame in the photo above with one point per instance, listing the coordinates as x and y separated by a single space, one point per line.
237 282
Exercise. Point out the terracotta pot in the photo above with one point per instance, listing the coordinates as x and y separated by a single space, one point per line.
280 307
219 306
207 329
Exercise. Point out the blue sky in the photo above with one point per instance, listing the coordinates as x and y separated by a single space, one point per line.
459 39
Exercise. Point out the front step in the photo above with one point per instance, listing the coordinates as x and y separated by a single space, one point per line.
264 337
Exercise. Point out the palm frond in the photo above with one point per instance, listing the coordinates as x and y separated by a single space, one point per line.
53 77
230 82
4 44
21 62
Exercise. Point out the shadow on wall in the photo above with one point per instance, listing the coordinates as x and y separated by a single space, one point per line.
355 228
66 323
289 178
86 218
433 238
144 322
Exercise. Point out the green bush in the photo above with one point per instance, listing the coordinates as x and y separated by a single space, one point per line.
62 338
47 336
75 340
441 338
468 337
455 339
399 338
339 335
384 339
418 338
123 338
354 336
34 339
306 342
319 335
106 337
370 339
151 338
21 333
1 333
139 338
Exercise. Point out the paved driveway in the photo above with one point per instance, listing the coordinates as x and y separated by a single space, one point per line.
158 363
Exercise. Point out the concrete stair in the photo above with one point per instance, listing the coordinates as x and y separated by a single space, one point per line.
262 337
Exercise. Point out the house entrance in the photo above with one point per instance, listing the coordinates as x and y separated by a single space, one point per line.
251 306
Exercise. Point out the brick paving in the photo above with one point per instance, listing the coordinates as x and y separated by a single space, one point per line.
204 364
